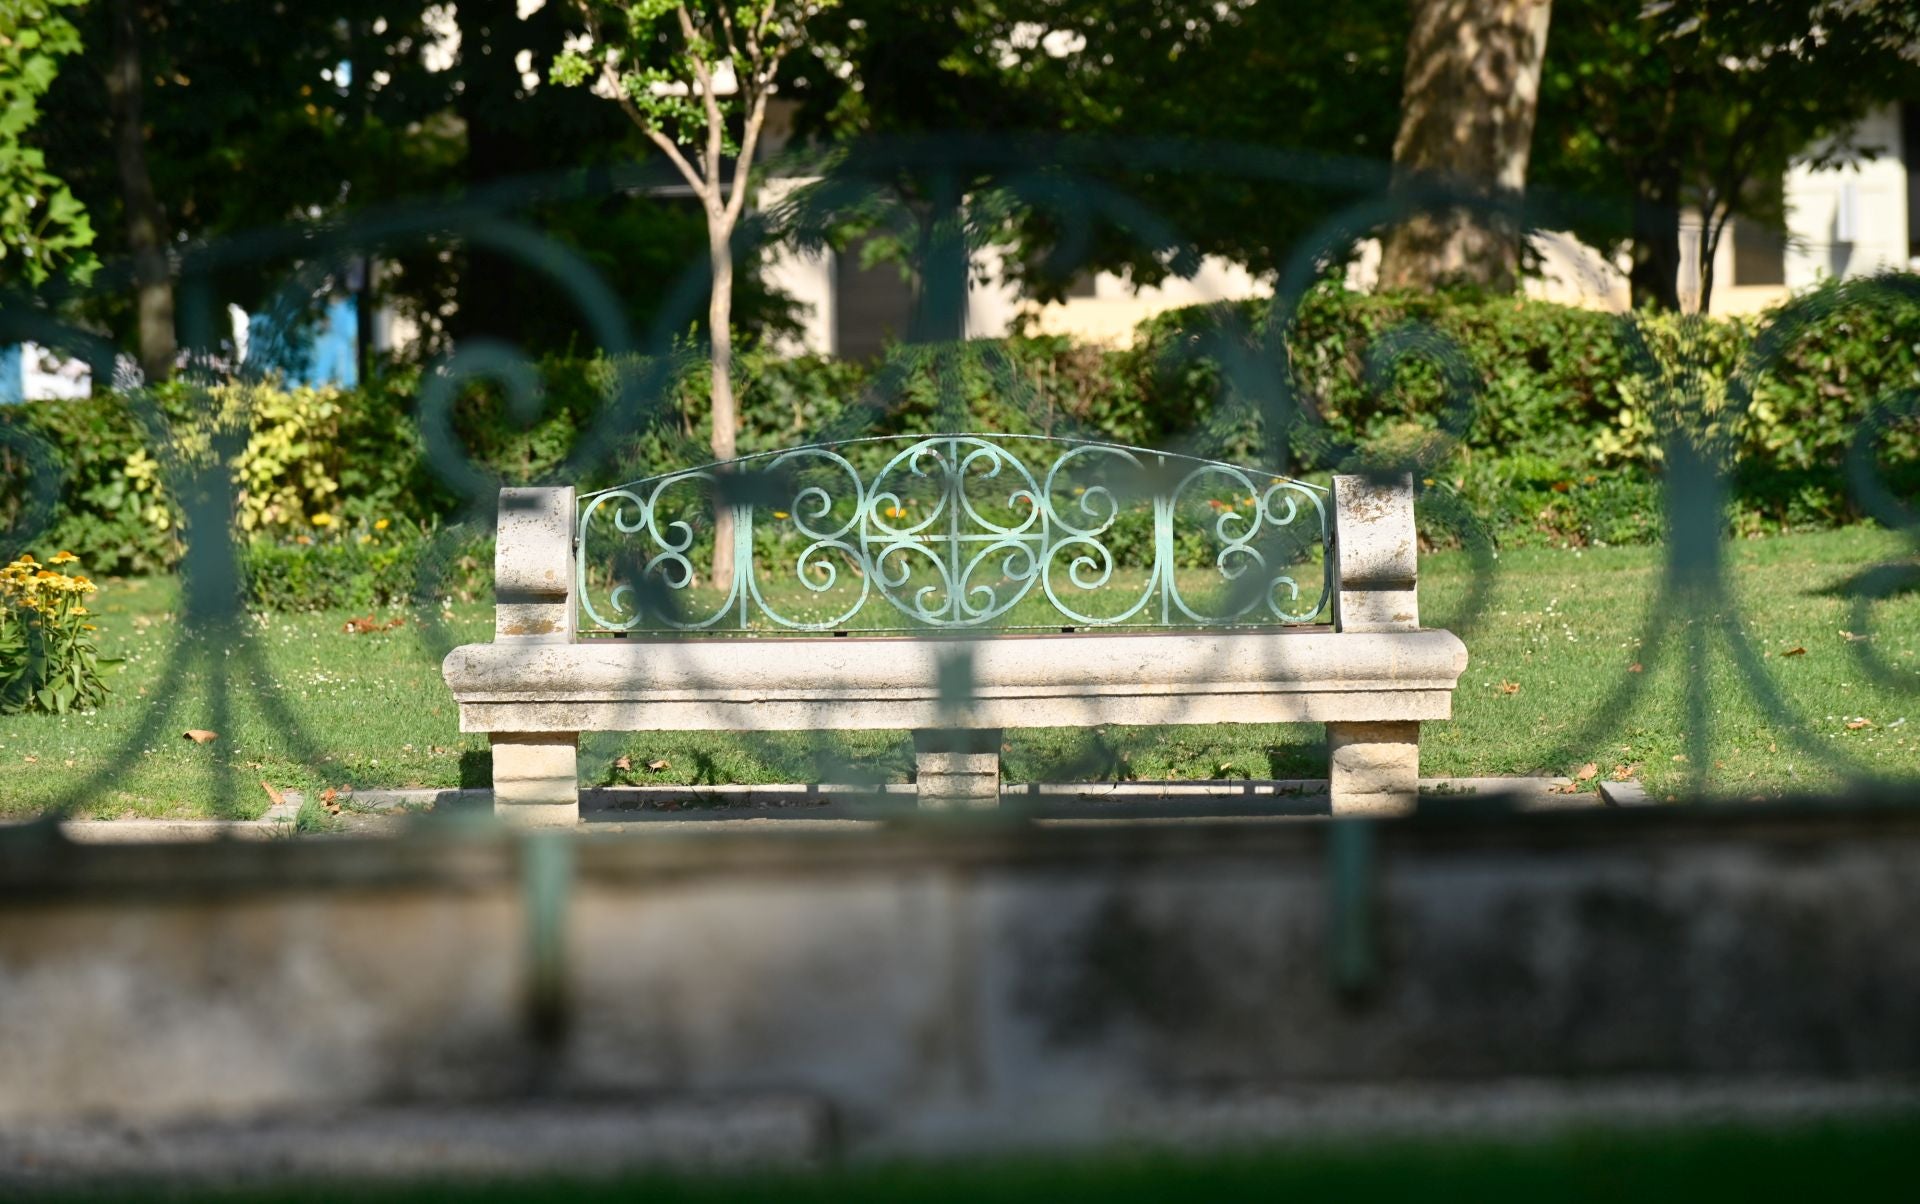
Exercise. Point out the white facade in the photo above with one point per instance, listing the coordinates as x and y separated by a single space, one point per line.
1855 220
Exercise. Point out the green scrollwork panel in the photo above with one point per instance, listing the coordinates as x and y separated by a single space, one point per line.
958 531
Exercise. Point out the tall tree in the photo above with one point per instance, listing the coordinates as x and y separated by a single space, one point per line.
1691 104
146 221
695 78
1466 122
43 228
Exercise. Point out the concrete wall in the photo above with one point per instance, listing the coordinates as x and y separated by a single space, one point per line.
955 986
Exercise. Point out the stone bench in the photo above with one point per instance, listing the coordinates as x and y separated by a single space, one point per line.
562 663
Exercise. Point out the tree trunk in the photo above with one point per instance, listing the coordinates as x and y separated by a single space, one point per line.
1655 277
146 220
493 287
720 339
1466 122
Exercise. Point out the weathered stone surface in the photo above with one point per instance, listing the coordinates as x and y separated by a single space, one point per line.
442 1139
1376 555
536 777
967 989
957 768
1017 681
533 565
1374 767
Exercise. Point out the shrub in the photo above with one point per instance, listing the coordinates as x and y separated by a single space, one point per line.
48 661
1561 442
364 567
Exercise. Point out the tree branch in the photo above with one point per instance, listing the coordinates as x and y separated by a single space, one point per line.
703 74
652 131
756 117
726 29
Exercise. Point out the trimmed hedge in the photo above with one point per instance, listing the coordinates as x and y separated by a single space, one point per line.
1560 439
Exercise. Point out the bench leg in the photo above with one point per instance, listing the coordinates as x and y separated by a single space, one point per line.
957 768
1375 767
536 779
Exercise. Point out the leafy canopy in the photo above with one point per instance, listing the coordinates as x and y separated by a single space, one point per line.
43 228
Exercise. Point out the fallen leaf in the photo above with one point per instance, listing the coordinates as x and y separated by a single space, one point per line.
1566 788
1634 667
273 795
1586 772
1796 650
1851 638
660 764
199 735
1622 773
1509 687
623 763
31 759
328 795
1679 756
1854 725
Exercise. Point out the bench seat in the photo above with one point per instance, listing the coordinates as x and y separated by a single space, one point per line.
1080 680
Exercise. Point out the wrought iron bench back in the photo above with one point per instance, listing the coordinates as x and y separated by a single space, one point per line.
958 531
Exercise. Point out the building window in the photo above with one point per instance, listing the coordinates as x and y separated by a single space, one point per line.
1759 254
871 305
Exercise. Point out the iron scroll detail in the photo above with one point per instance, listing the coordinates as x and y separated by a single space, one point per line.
956 531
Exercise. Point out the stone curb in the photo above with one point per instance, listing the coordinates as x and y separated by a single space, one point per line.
571 1138
795 803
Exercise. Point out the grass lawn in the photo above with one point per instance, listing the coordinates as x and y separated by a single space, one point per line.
1558 679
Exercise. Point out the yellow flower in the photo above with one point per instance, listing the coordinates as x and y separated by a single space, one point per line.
322 520
78 610
780 514
27 561
45 575
88 627
63 557
380 524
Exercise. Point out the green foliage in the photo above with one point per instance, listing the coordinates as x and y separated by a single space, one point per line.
43 228
48 661
1562 441
662 56
1176 80
1706 105
369 566
311 460
1566 438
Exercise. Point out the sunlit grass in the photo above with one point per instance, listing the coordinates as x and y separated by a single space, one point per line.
311 705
